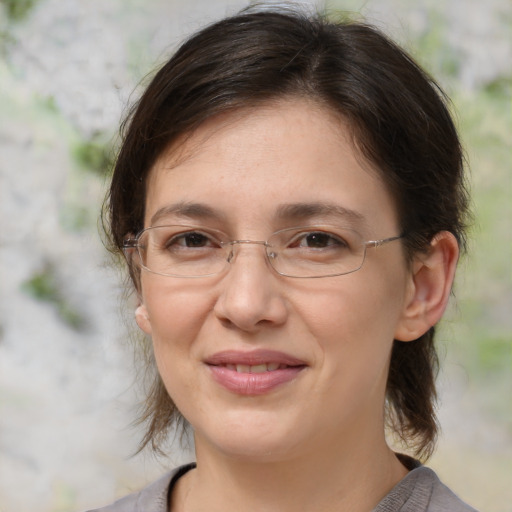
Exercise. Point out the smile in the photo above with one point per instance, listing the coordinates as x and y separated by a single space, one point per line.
253 373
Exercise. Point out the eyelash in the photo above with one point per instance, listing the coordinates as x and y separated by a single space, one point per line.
174 241
333 240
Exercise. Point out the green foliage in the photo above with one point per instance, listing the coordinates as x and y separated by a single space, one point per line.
6 39
485 291
44 286
17 10
495 354
48 104
432 48
500 87
94 155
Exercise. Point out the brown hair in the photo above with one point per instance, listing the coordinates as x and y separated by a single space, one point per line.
399 122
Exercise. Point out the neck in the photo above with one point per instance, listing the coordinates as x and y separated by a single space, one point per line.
333 477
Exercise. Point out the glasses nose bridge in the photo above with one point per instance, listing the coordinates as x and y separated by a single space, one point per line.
234 243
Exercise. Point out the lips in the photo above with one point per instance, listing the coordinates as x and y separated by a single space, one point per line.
254 373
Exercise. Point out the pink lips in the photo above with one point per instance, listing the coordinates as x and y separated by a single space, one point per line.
253 373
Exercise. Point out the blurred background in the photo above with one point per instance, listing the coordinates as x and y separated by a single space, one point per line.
68 70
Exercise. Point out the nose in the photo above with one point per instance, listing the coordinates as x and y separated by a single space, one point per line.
251 294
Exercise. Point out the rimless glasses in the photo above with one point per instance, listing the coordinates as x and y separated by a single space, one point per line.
302 252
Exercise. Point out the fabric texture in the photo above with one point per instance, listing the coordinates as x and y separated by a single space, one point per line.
420 491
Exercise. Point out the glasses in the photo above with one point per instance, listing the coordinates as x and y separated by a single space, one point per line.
303 252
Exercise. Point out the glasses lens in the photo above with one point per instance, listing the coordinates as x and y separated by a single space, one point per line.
183 251
316 251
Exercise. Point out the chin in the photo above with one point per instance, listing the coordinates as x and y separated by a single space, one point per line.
253 450
255 438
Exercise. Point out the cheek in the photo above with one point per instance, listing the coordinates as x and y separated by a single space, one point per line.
177 312
173 305
352 306
353 321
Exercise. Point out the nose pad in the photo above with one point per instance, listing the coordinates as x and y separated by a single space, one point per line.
272 255
231 255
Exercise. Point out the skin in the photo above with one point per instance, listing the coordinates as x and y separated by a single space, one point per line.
321 435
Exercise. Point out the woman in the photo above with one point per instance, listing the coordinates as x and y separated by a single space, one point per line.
290 199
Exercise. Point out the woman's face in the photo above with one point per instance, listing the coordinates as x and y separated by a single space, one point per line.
260 364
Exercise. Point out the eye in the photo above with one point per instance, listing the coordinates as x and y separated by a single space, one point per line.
190 239
318 240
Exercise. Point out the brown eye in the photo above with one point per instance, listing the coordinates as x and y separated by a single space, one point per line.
191 239
194 240
319 240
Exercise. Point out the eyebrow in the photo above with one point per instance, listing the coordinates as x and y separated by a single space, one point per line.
285 212
299 211
195 211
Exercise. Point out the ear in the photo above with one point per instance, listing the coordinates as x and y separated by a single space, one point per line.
142 319
430 285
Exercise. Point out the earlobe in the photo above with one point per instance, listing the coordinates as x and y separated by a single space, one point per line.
142 319
430 285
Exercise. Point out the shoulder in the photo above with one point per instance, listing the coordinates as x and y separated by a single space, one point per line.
422 491
152 498
443 499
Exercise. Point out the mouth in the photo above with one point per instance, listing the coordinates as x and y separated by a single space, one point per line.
272 359
254 373
256 368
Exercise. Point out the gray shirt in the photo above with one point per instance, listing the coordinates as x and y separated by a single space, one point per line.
420 491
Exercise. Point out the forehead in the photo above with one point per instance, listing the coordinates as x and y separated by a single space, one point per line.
257 162
278 118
